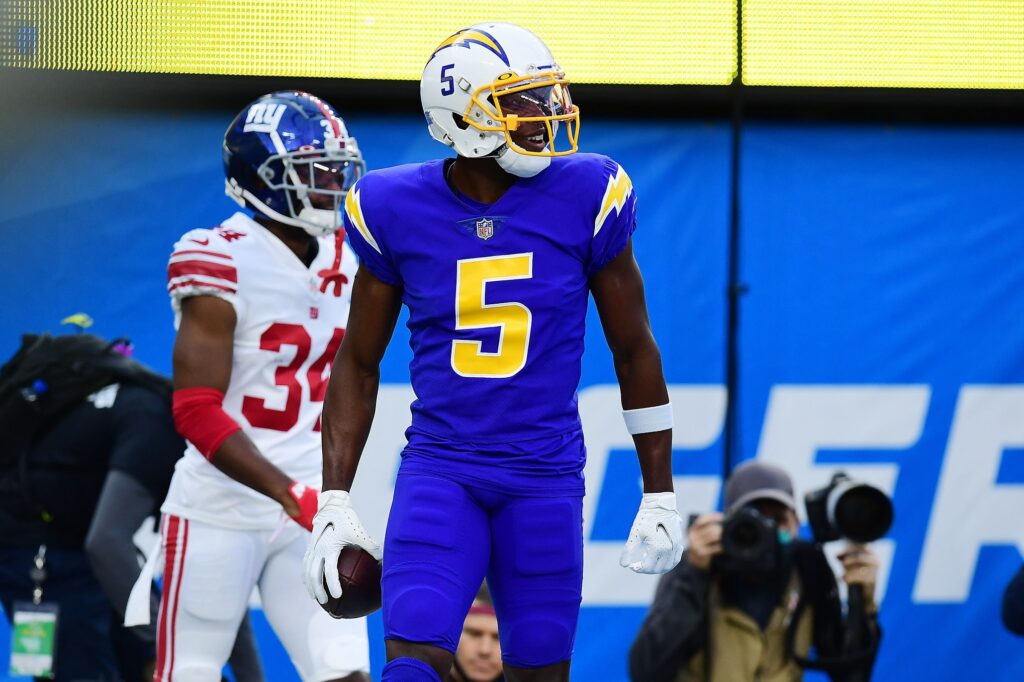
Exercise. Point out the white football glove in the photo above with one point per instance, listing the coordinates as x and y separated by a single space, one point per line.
335 526
655 543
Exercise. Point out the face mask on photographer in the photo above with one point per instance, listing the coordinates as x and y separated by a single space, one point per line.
785 519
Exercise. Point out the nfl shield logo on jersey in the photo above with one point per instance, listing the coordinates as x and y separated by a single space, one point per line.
485 228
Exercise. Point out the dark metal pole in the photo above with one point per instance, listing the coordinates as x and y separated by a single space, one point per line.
735 287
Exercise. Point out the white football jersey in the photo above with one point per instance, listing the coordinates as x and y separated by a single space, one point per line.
290 322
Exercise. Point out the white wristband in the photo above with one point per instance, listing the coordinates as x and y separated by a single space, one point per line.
648 419
666 501
327 497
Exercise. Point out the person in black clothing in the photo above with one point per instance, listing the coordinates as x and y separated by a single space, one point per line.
1013 604
715 622
74 488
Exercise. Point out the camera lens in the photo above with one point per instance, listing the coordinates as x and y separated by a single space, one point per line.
749 542
863 514
746 535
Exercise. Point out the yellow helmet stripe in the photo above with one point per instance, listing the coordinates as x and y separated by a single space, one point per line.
355 216
615 195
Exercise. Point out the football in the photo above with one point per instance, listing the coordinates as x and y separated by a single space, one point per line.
360 585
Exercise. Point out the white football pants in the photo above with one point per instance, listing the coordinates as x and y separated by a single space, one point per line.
209 575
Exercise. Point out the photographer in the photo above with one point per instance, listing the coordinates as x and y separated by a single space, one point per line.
749 599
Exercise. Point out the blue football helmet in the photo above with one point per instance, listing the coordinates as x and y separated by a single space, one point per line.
289 157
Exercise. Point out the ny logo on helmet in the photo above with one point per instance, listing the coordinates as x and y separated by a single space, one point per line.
263 117
485 228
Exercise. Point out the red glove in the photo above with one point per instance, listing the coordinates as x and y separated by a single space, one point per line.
306 498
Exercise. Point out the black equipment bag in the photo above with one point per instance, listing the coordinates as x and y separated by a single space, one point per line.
48 376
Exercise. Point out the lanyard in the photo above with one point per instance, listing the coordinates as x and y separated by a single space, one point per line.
37 574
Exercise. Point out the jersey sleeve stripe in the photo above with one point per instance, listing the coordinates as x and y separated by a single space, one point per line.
199 258
197 267
355 215
202 278
615 195
200 285
199 252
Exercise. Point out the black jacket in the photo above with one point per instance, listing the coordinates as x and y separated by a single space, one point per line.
1013 604
676 627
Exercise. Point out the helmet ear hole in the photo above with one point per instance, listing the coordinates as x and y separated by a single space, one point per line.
459 122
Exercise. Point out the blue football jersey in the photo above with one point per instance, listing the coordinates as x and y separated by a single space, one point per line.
497 297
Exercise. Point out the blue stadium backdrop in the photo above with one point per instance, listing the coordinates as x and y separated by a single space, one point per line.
883 333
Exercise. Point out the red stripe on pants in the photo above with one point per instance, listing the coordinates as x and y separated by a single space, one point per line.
177 593
170 532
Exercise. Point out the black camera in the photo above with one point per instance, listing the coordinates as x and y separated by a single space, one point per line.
750 542
849 509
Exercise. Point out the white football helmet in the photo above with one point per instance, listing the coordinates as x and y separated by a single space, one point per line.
494 90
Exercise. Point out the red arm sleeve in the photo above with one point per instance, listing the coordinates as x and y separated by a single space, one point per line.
200 417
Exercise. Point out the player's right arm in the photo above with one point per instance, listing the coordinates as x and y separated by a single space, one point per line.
351 399
352 390
351 395
349 405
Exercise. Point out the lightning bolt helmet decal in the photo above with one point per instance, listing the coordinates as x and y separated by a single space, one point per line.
468 36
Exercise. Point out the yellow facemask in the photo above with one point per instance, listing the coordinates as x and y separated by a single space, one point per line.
529 110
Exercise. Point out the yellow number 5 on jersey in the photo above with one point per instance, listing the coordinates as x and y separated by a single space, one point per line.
471 312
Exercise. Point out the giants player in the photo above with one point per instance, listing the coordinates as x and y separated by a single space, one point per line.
260 304
495 254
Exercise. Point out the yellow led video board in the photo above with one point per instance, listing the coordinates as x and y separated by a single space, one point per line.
884 43
603 41
872 43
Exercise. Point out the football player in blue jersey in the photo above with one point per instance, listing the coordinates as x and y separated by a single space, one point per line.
494 253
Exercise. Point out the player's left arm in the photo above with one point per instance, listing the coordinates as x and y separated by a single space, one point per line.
202 359
655 544
618 291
